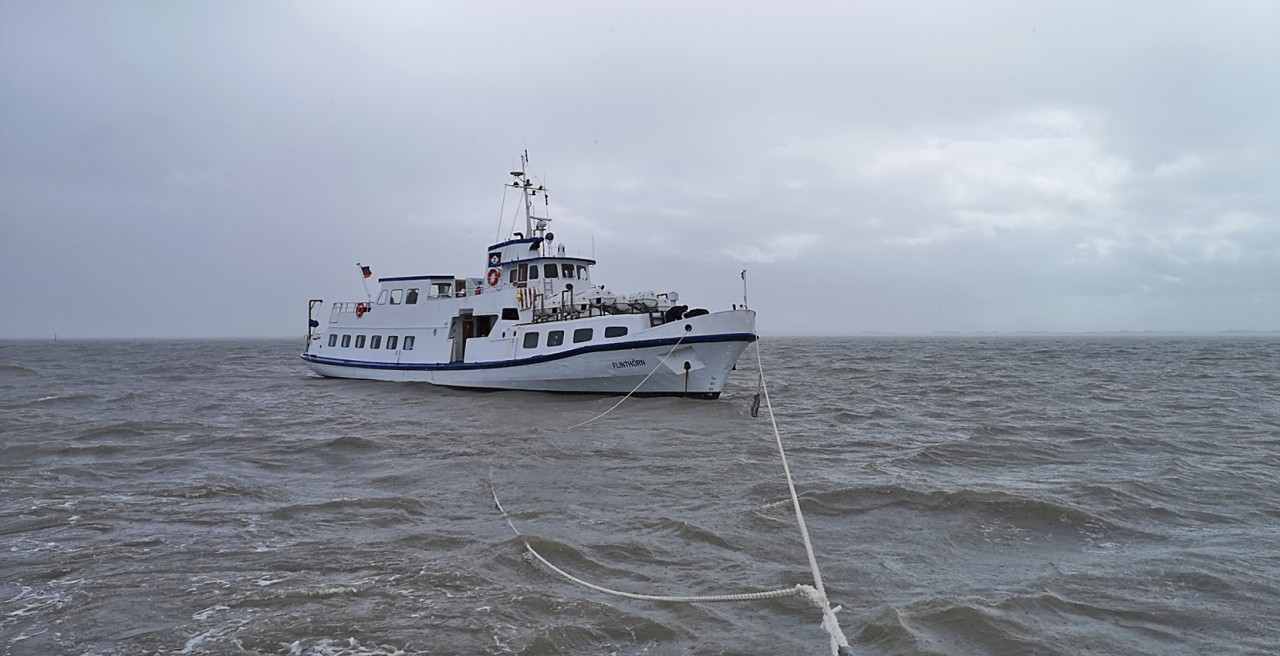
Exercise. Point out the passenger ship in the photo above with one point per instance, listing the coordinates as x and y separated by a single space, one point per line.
534 321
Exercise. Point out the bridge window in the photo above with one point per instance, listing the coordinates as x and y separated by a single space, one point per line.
581 335
531 340
566 270
408 342
615 331
582 272
333 339
533 272
396 295
411 298
510 314
550 271
359 341
346 341
375 341
555 338
382 298
391 342
512 277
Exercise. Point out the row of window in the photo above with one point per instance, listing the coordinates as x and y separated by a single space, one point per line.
549 270
375 341
398 296
556 337
410 296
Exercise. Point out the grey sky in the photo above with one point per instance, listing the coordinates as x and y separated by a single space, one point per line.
202 169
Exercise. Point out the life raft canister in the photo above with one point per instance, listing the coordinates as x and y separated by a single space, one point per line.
361 308
494 277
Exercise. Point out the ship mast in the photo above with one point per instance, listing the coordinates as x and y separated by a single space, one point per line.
535 226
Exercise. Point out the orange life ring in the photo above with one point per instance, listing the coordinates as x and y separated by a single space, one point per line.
361 309
494 277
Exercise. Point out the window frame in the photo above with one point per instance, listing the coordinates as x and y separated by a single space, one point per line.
611 332
392 340
555 337
578 335
534 334
407 343
359 341
375 342
346 340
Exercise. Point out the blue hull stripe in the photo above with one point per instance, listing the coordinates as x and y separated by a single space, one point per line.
498 364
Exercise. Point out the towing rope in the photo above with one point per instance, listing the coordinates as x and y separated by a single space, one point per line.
815 594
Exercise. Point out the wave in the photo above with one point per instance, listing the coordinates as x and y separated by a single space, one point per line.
126 429
54 399
1008 506
359 510
16 370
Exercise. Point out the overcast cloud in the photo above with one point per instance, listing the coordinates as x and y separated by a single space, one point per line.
202 169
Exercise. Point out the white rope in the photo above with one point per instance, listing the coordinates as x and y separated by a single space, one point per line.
798 590
839 643
633 390
816 594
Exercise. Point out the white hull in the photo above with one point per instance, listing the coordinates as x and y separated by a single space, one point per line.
710 344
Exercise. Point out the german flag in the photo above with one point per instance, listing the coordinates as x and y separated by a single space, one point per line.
365 270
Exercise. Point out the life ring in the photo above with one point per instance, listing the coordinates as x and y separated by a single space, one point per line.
494 277
361 308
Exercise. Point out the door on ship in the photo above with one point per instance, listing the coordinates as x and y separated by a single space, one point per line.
461 329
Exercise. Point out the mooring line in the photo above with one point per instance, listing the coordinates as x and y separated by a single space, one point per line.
798 590
839 644
816 594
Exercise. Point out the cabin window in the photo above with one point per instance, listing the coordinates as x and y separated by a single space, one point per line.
512 277
382 298
411 298
444 289
533 272
333 339
550 271
391 342
408 342
346 341
581 335
485 324
359 341
566 270
510 314
375 341
524 273
615 331
396 296
531 340
555 338
582 272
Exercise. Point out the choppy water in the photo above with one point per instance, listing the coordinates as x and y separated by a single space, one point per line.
965 496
